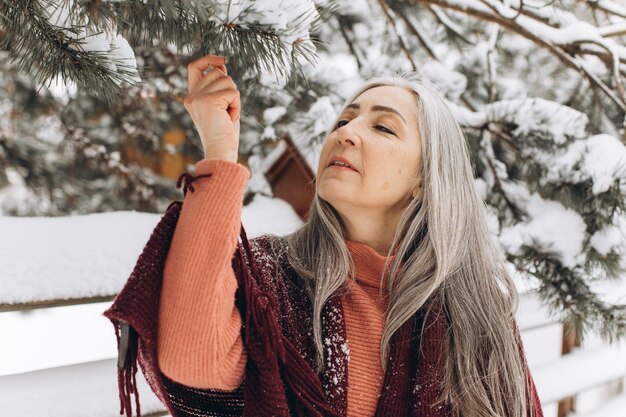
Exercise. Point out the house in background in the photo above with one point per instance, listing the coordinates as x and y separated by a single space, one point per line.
290 176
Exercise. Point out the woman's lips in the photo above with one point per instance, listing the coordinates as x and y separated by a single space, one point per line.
341 167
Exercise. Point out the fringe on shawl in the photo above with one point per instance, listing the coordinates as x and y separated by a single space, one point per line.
127 342
258 303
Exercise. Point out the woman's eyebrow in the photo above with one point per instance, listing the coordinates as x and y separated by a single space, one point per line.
377 108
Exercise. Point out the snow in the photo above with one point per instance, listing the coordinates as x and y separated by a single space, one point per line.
271 114
607 238
16 194
529 115
258 182
555 119
612 291
578 32
61 89
71 391
451 82
56 258
551 227
323 112
269 215
612 7
605 161
274 155
601 158
50 258
118 56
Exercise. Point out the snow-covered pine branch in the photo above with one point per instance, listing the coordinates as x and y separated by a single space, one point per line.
88 42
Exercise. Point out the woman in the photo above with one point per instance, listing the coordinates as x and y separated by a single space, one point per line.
392 299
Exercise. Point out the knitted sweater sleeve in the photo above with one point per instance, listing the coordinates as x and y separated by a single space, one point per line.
199 341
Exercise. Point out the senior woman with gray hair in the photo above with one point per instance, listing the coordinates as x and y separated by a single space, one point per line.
392 299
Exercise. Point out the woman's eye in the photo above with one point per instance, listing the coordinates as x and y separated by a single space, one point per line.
339 123
384 129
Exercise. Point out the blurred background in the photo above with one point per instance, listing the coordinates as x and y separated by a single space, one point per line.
94 135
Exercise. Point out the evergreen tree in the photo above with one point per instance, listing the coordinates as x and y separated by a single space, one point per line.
537 87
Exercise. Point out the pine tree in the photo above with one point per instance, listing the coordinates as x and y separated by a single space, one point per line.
538 89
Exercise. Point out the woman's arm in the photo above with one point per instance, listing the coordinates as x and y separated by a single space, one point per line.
199 339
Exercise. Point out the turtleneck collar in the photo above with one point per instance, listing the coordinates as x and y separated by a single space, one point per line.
369 264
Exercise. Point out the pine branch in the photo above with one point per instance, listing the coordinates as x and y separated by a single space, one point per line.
45 50
391 19
566 291
48 50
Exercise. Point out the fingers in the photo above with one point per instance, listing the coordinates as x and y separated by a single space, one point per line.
234 109
195 70
231 99
208 79
220 82
214 86
227 98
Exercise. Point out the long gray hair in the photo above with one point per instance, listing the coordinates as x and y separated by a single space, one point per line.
443 251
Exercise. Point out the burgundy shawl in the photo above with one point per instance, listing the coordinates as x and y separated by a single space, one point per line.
279 376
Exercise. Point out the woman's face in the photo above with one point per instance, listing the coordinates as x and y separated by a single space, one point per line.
378 135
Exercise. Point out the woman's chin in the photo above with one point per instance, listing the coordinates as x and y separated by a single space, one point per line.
334 195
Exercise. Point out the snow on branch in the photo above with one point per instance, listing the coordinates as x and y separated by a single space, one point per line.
89 42
568 38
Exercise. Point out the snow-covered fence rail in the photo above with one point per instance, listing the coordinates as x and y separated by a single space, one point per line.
53 261
78 263
573 381
22 306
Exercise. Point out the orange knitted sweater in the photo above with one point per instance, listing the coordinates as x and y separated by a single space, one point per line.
199 340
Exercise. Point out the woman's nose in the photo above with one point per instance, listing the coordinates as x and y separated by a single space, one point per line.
345 134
